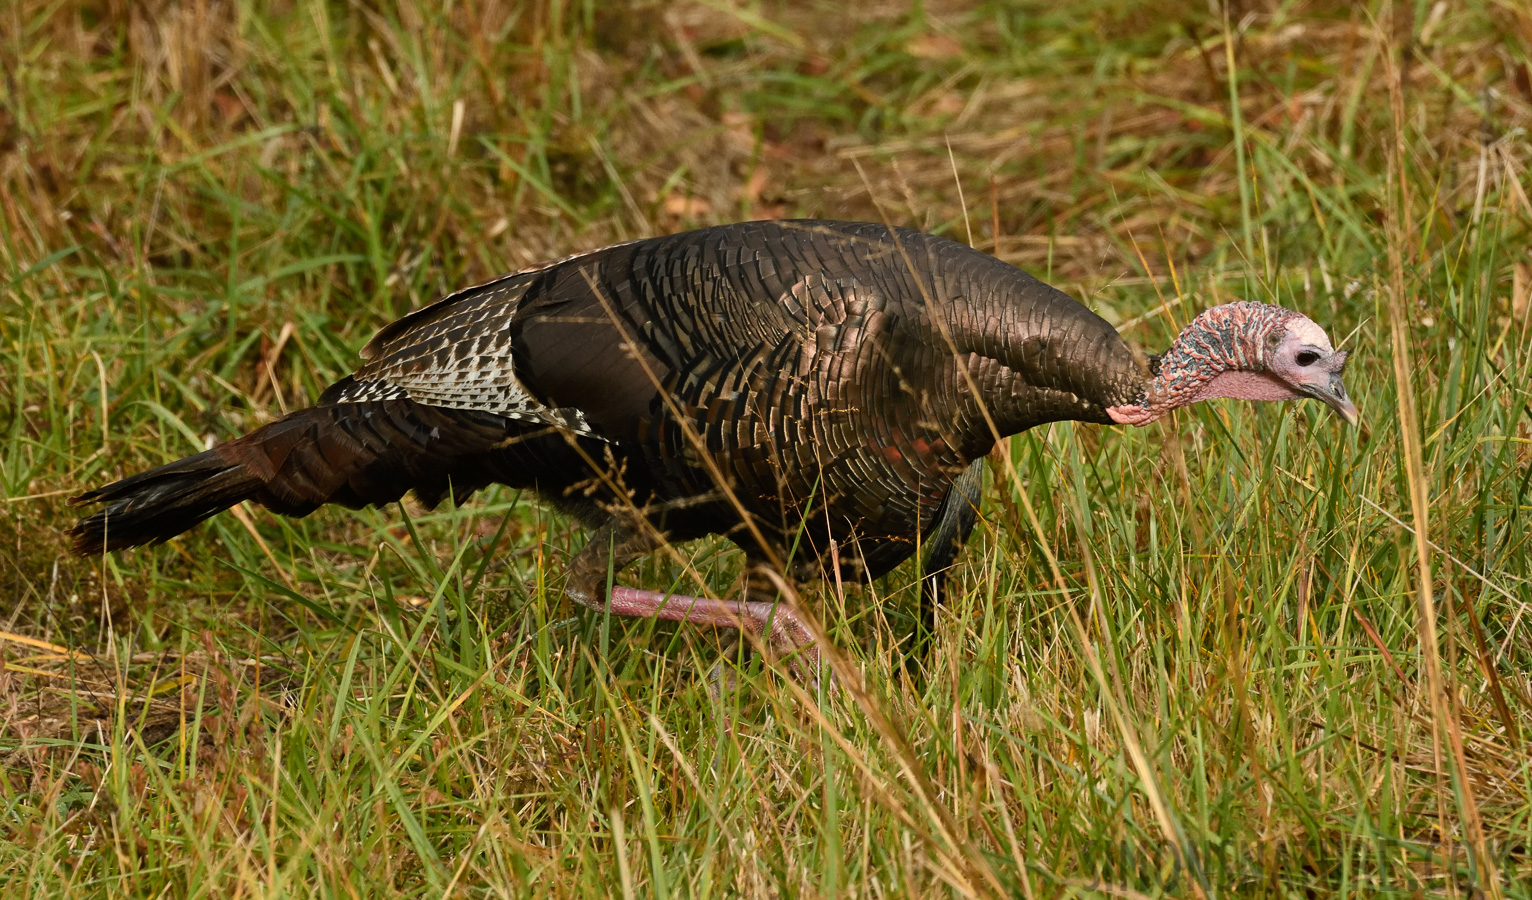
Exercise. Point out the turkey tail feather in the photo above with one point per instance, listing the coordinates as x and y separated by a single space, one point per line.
159 504
353 454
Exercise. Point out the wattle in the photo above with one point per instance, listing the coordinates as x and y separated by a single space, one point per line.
1246 386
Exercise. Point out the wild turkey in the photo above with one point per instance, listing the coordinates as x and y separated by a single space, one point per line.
815 391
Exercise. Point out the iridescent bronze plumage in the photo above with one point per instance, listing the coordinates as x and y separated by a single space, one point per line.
813 390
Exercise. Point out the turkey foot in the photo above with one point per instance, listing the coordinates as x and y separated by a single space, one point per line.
618 543
776 624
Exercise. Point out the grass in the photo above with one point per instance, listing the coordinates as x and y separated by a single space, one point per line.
1198 659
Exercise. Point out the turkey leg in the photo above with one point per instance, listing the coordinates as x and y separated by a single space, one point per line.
618 543
955 520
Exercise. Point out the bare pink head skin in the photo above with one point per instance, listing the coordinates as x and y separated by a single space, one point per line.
1247 351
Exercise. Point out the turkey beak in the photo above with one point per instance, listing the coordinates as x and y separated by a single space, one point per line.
1333 392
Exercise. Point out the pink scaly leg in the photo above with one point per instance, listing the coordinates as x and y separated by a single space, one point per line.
776 624
617 544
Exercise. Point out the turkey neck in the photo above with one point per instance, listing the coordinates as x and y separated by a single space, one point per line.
1032 352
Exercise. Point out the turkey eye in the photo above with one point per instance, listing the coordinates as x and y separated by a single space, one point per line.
1306 358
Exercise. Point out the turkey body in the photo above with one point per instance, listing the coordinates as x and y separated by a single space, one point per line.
812 390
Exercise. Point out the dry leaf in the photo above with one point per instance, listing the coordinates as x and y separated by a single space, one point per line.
934 46
686 207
